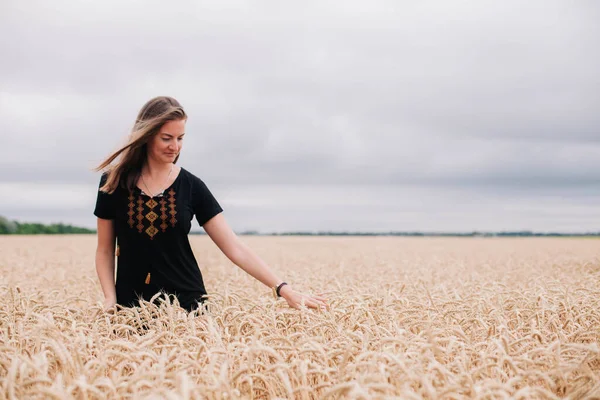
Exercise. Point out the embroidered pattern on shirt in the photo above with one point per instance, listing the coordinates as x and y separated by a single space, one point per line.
131 213
151 216
140 217
172 206
163 214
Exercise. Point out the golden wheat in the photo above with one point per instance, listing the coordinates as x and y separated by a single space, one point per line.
409 317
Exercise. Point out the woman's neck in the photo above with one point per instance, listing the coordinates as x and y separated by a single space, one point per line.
153 169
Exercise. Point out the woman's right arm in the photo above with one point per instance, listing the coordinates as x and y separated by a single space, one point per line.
105 261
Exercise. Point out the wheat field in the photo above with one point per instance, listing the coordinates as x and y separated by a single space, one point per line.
410 318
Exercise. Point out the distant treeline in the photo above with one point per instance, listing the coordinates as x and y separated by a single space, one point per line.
443 234
8 227
16 228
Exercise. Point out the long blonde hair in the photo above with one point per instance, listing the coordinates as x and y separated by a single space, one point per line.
126 171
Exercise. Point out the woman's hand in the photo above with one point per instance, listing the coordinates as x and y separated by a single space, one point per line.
296 299
109 303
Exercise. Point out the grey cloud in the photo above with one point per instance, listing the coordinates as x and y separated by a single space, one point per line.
490 95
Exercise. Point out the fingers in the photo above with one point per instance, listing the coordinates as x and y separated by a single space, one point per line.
317 304
109 307
319 299
310 306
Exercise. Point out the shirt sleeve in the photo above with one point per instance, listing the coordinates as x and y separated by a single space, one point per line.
104 202
204 203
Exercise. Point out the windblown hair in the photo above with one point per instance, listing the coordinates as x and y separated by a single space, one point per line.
127 169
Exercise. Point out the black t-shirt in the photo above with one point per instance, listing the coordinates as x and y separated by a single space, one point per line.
153 249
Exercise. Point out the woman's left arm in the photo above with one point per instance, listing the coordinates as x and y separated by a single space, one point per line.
242 256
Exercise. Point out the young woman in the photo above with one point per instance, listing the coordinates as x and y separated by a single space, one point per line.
146 204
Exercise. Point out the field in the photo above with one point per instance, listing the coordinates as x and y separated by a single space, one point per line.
410 318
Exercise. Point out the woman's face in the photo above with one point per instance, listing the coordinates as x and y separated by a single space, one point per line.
166 145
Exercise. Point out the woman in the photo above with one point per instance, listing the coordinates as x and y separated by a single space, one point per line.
146 203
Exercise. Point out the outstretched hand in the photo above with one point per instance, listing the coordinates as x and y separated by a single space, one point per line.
297 300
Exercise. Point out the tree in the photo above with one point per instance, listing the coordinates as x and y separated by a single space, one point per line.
14 227
7 226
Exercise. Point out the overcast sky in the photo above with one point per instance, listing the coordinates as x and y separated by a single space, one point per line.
347 115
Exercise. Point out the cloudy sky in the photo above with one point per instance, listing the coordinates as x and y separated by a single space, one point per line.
346 115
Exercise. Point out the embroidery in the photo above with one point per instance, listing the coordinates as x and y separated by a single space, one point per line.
131 222
151 203
151 231
140 217
151 216
172 207
163 214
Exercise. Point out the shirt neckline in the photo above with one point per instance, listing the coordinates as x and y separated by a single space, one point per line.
161 194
